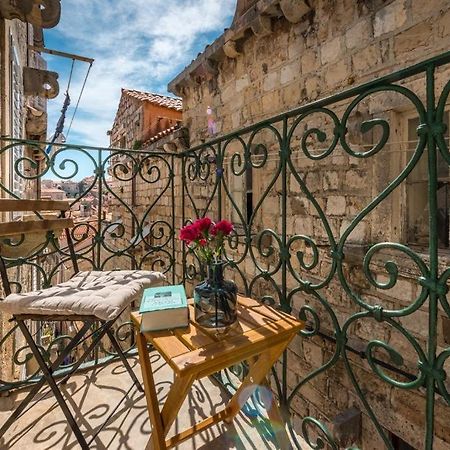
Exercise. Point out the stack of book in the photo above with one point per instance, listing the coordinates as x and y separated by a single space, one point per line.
163 308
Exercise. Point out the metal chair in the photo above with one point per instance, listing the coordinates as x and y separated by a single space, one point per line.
125 286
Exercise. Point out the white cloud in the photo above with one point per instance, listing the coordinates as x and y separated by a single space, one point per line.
139 44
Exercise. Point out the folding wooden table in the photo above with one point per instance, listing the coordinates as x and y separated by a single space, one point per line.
259 337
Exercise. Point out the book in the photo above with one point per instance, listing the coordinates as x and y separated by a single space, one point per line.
163 308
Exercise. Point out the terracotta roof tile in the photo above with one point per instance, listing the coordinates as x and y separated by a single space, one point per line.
157 99
160 135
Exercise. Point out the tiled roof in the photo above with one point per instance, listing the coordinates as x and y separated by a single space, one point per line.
156 99
160 135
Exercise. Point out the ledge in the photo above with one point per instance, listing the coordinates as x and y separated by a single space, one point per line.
251 19
176 140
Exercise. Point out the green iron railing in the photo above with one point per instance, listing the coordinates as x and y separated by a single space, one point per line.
102 240
329 203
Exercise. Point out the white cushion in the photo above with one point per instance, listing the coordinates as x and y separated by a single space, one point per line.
100 294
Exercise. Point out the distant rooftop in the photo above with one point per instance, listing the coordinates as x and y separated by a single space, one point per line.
156 99
51 190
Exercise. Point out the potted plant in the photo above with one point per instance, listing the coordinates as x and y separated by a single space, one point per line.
215 298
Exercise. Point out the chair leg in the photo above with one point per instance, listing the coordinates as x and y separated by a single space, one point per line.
124 359
48 370
37 387
95 340
54 387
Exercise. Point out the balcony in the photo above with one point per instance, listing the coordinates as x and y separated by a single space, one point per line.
341 218
107 395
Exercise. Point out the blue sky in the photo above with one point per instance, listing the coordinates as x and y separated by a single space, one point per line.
138 44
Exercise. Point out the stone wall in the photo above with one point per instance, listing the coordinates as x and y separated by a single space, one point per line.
20 34
337 45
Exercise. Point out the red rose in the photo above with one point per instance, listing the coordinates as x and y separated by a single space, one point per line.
189 233
223 227
203 242
203 225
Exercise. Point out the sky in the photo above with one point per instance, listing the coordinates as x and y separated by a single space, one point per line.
137 44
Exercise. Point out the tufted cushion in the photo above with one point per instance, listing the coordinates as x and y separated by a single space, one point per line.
100 294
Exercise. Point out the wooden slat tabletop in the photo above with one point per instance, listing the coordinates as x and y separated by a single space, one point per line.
196 348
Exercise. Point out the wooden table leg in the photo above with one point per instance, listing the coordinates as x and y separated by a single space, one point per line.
177 394
158 436
257 373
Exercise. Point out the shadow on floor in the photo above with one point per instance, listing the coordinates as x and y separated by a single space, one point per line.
112 414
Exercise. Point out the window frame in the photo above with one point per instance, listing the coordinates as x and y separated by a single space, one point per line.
409 185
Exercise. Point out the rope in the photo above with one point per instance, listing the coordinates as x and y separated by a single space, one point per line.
62 117
78 101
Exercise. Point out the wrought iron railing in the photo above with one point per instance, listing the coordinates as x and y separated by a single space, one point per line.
111 232
331 224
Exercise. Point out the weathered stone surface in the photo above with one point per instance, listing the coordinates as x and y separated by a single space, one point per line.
391 17
444 24
313 353
310 61
337 73
295 48
242 83
230 49
290 72
359 34
313 181
336 205
297 205
355 179
422 10
330 180
416 38
294 10
331 50
271 102
270 81
369 58
346 427
346 43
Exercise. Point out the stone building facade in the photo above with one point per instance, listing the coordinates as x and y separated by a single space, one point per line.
150 122
25 86
278 55
142 115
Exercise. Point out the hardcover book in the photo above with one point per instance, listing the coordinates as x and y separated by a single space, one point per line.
163 308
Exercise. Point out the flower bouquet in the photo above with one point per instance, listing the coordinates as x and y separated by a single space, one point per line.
215 298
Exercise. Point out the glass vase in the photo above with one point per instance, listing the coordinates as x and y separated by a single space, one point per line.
215 299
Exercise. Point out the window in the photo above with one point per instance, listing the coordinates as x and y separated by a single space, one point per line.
241 190
249 192
417 210
399 444
17 120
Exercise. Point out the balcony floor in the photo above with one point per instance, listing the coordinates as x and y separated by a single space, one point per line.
108 391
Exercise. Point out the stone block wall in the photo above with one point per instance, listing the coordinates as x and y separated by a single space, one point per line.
340 44
20 34
337 45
